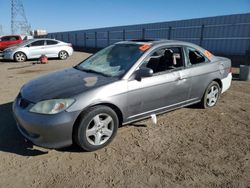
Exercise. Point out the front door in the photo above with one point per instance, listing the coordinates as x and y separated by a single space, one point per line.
36 49
168 88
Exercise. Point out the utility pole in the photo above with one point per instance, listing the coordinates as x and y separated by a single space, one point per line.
19 23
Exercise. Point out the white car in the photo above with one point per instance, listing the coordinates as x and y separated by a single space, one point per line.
33 49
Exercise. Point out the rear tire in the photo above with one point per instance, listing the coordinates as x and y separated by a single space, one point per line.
211 95
96 129
20 57
63 55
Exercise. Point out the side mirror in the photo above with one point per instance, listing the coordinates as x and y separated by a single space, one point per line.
143 72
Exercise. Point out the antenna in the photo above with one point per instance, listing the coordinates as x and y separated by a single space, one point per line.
19 23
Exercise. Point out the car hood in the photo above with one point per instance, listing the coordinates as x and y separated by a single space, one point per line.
63 84
12 47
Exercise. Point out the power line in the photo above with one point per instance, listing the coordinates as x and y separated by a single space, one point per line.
19 23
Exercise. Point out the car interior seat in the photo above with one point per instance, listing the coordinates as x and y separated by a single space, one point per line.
166 61
154 62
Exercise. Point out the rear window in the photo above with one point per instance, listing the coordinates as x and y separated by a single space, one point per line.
51 42
37 43
196 57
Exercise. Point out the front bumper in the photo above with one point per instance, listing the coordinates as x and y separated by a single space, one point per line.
50 131
8 55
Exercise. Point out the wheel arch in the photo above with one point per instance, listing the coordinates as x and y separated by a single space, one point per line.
218 81
110 105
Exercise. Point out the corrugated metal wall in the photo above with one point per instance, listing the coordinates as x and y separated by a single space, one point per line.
228 35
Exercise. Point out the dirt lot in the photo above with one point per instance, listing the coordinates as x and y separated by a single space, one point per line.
190 147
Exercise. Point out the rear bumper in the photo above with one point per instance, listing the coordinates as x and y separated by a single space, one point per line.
226 82
70 51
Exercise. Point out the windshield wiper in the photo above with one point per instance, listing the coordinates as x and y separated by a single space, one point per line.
90 71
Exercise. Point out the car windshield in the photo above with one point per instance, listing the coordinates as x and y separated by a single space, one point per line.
114 60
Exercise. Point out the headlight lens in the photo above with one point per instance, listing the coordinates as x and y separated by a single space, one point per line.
9 50
53 106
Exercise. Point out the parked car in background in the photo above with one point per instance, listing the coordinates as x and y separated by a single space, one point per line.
122 83
34 48
9 40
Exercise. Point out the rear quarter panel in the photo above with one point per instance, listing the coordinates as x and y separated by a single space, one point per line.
202 75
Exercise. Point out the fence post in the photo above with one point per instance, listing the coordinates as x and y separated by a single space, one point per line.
202 33
85 42
143 33
123 35
169 32
95 39
108 40
76 39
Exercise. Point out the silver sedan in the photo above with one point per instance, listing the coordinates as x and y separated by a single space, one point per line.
33 49
122 83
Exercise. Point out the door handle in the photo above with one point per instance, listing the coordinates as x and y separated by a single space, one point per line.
181 78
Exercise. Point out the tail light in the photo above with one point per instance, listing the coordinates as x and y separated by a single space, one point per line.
69 44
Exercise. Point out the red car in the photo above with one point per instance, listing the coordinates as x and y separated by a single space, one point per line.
8 40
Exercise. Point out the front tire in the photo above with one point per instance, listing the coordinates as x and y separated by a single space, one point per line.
211 96
63 55
96 129
20 57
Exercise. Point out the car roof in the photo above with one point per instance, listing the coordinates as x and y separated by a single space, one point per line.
37 39
161 42
42 39
154 42
10 36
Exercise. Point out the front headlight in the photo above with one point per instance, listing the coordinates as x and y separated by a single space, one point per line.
52 106
9 50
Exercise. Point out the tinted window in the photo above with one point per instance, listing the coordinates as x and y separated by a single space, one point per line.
13 38
5 38
9 38
195 57
51 42
37 43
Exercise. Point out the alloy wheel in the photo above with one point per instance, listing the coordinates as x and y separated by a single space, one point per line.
100 129
20 57
63 55
212 95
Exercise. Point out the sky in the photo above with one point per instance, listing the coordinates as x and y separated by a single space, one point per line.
69 15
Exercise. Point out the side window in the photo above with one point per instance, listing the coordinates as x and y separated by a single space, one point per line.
195 57
51 42
165 59
5 38
13 38
37 43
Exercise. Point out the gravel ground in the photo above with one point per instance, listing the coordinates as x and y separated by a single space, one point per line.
190 147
